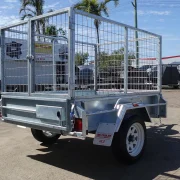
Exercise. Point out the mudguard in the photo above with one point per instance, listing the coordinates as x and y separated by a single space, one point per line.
105 132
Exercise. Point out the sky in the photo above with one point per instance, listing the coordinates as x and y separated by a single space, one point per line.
157 16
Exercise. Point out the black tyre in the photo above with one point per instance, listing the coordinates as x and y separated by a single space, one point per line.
45 136
129 142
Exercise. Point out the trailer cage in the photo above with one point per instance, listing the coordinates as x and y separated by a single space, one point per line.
62 75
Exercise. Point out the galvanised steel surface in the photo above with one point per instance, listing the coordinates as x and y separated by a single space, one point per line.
83 64
24 110
66 51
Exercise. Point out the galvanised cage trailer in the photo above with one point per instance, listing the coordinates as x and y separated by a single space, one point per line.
116 111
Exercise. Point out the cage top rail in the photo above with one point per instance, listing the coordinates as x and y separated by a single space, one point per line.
21 22
114 22
60 11
65 10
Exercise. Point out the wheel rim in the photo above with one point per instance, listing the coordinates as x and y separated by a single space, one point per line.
135 139
49 134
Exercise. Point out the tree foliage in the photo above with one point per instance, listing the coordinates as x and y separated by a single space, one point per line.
31 8
81 58
95 7
51 30
114 60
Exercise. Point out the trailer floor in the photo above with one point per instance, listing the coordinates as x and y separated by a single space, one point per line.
23 158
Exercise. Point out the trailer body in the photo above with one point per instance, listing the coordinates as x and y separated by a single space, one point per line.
114 94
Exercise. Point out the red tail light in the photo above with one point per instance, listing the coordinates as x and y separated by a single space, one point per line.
78 124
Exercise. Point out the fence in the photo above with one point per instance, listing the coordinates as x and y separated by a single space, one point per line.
74 53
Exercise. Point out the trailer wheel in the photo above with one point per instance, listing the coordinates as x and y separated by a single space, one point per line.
45 137
129 142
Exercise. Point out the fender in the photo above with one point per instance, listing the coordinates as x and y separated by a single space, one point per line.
128 110
105 132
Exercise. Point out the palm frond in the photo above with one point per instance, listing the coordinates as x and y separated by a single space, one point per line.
116 2
21 10
26 16
103 8
50 10
32 5
90 6
81 6
25 3
27 9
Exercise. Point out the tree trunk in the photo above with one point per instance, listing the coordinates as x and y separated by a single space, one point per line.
97 30
38 29
98 39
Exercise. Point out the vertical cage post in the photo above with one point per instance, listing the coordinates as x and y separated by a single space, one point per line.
159 63
3 86
126 60
71 53
28 56
95 68
31 56
54 67
137 49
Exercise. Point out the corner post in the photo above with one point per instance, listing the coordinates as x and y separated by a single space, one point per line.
3 84
95 68
31 58
71 54
159 83
126 60
54 68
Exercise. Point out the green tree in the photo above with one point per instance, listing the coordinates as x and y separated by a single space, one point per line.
51 30
81 58
95 7
31 8
115 59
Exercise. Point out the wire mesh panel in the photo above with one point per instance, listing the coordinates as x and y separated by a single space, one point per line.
118 58
143 60
15 77
50 45
111 58
84 66
85 54
99 54
79 54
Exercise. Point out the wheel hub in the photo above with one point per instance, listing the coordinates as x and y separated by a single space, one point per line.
132 138
49 134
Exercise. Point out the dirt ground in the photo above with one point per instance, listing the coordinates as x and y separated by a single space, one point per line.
172 97
21 157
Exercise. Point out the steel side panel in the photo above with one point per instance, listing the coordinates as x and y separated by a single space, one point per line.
35 125
50 112
41 114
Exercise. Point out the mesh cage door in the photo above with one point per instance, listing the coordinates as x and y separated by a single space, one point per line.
50 48
14 61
